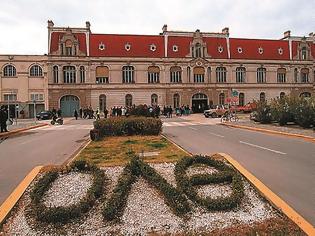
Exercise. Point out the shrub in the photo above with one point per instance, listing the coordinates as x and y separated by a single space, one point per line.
119 126
263 113
65 214
282 110
225 174
305 112
116 204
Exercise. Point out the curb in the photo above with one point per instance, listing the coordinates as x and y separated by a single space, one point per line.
10 202
77 152
272 197
308 138
13 132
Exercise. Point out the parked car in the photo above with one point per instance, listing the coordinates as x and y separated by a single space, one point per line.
44 115
217 111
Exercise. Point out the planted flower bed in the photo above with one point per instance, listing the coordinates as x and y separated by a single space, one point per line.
196 195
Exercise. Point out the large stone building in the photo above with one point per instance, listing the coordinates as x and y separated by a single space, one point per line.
173 68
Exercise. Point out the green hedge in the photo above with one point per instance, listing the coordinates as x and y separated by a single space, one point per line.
65 214
173 198
120 126
225 175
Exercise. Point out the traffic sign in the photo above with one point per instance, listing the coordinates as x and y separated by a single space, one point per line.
234 93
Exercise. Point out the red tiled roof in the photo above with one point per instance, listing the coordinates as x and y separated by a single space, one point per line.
213 45
294 48
55 36
115 45
250 49
183 44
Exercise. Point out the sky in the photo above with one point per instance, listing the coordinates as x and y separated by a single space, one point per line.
23 23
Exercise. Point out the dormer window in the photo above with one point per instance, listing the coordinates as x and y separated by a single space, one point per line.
175 48
101 46
152 47
304 53
127 46
280 51
198 50
68 47
220 49
260 50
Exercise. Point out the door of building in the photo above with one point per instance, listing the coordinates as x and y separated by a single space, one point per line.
199 103
68 104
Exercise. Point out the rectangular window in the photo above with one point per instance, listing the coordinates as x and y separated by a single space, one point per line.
176 77
281 78
261 75
153 77
9 97
37 97
199 78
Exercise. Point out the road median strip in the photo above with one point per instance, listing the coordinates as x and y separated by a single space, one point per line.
308 138
10 202
272 197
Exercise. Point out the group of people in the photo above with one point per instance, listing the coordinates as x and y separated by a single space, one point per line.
179 111
3 119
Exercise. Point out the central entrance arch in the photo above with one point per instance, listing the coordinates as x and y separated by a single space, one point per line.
199 102
68 104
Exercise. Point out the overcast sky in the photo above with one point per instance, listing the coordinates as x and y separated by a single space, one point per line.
23 23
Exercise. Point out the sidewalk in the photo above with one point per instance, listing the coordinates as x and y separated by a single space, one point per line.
26 123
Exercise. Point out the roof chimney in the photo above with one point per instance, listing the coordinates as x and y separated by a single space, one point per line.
50 23
287 34
164 28
87 25
226 31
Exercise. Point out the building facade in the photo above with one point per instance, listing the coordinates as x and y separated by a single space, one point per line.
174 68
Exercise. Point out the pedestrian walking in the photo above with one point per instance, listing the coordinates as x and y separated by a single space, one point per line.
3 120
75 114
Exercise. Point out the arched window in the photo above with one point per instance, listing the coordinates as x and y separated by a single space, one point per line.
56 74
304 75
9 71
154 100
304 53
198 50
188 73
36 71
262 97
221 74
128 74
209 74
82 74
241 99
176 100
221 98
305 95
68 47
240 74
102 102
153 74
261 75
281 75
282 95
199 74
128 100
102 75
296 75
176 74
69 74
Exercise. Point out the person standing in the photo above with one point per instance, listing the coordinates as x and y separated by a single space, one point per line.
105 113
75 114
98 114
80 112
3 120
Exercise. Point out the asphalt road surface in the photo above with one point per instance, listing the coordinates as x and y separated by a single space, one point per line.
42 146
286 165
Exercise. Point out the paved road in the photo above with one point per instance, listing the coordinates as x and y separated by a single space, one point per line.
42 146
285 165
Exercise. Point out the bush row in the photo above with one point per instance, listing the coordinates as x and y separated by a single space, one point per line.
225 175
120 126
116 204
65 214
288 109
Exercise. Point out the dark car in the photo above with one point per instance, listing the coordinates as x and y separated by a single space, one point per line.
44 115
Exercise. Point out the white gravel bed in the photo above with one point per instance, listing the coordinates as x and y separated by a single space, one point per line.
68 189
214 190
146 211
200 169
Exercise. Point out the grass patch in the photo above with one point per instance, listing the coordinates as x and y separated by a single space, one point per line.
114 151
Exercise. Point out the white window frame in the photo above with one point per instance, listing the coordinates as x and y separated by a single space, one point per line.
9 71
36 71
261 75
240 74
69 75
9 97
176 76
37 97
128 75
221 74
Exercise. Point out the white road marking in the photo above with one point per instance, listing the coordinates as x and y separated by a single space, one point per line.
268 149
218 135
